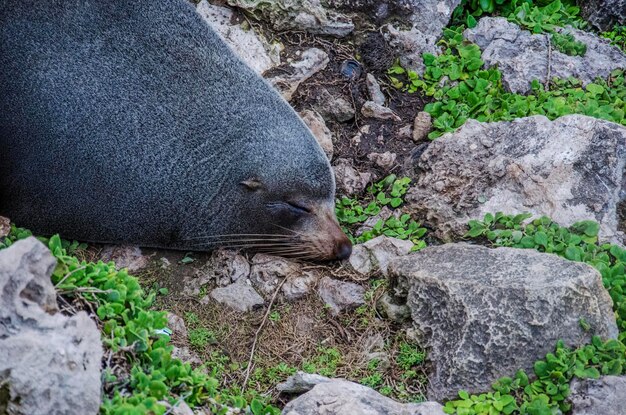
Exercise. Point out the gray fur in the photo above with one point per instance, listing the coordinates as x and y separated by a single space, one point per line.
132 121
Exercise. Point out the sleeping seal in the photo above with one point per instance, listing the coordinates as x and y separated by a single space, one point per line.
131 121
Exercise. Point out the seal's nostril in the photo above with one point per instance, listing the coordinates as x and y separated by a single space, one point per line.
343 251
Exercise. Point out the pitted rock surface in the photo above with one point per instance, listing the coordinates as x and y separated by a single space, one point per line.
604 396
569 169
603 14
340 397
522 56
485 313
50 362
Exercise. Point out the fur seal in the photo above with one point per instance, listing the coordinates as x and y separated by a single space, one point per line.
131 121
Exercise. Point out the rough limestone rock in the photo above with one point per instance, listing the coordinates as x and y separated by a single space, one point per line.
268 271
340 295
522 56
49 362
373 87
308 15
603 14
349 180
125 256
311 61
569 169
604 396
301 382
298 286
485 313
376 253
253 49
333 108
422 125
340 397
320 131
223 268
370 109
238 296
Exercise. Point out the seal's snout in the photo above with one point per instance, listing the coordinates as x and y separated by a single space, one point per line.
343 249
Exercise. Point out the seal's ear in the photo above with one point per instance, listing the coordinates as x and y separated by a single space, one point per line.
252 184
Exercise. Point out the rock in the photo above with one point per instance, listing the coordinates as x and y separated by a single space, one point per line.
603 14
308 16
340 397
177 325
340 295
405 132
268 271
376 253
238 296
186 356
301 382
384 160
570 169
598 396
422 126
49 362
485 313
297 287
522 56
388 306
253 49
349 180
180 408
311 62
333 108
5 226
370 109
125 256
373 88
316 124
223 268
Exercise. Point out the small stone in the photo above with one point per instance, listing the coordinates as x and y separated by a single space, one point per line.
180 408
125 256
349 180
373 88
603 396
320 131
223 268
311 62
177 325
384 160
333 108
340 295
268 271
370 109
377 252
240 297
299 286
5 226
405 132
422 126
165 263
398 313
186 356
301 382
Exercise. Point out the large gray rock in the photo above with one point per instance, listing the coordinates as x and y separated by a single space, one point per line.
570 169
49 362
307 15
604 396
251 47
485 313
340 397
604 14
522 56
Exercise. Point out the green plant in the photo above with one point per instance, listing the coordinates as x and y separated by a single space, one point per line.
324 363
201 337
462 89
547 394
617 36
388 192
130 332
567 44
409 356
